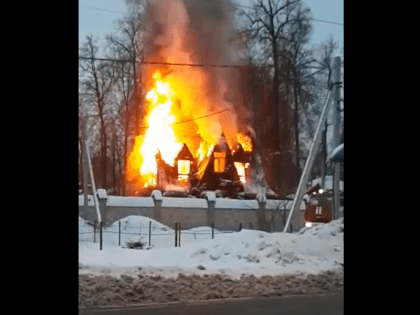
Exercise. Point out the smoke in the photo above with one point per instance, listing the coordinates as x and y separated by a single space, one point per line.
197 32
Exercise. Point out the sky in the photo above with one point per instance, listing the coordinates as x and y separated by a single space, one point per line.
98 16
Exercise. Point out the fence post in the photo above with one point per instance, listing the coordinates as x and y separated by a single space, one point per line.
212 230
150 232
94 231
176 234
250 226
119 233
100 235
179 231
240 226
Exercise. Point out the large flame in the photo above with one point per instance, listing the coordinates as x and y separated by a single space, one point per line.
167 127
162 135
182 103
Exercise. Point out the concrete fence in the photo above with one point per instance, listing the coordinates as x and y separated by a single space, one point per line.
226 214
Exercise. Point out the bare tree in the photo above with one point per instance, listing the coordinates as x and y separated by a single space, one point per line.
127 44
270 28
97 89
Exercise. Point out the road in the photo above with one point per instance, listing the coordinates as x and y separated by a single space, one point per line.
332 304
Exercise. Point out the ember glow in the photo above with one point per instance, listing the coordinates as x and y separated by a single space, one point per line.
245 141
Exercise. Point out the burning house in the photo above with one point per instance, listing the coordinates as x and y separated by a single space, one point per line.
219 171
195 118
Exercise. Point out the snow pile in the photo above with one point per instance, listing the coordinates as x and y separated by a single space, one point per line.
311 250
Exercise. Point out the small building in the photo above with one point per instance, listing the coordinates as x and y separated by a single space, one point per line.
217 172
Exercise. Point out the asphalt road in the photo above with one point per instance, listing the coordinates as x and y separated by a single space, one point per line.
332 304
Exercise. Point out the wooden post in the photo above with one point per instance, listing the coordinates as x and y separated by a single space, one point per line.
212 230
240 226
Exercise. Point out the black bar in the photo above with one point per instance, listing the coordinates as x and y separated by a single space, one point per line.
240 226
94 231
100 235
179 237
212 230
250 226
176 234
150 231
119 233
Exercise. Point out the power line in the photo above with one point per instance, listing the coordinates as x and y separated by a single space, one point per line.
92 8
326 21
167 63
234 4
194 119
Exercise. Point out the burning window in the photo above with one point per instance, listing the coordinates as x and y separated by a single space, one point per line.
219 162
183 169
242 169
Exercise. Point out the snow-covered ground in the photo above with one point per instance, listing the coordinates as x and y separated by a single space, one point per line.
311 250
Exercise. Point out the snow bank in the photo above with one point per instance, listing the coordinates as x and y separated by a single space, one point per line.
248 251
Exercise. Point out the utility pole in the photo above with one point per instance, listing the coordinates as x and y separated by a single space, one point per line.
310 160
336 133
85 165
88 171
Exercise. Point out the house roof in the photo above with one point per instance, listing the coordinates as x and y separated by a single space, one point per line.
184 154
209 176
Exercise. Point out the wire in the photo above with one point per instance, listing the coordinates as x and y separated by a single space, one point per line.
233 3
86 6
165 63
194 119
326 21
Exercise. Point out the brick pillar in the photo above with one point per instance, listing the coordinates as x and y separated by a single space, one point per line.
157 199
262 222
211 202
102 199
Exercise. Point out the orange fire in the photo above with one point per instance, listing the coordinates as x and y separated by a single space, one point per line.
163 112
181 103
167 128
